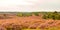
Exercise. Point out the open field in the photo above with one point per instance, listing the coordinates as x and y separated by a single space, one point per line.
29 22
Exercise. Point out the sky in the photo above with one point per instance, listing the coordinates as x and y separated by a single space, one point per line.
29 5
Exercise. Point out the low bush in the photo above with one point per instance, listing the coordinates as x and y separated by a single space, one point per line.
13 27
19 14
36 13
52 15
27 14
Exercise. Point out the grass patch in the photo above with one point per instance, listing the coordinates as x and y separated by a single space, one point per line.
31 29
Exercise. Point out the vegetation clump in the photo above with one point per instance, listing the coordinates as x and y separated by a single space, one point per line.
27 14
52 15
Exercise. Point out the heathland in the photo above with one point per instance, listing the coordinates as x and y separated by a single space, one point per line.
30 21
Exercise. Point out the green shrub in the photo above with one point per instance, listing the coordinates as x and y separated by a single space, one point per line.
19 14
55 12
24 14
52 15
57 17
36 13
27 14
45 16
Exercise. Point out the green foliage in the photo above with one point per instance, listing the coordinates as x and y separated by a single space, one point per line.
52 15
27 14
45 16
24 14
19 14
36 13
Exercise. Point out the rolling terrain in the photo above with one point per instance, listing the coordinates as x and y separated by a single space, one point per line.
14 22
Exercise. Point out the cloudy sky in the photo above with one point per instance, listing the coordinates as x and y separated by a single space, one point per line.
29 5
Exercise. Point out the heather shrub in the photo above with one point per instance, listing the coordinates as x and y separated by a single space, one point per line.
13 27
2 28
52 28
24 26
4 16
34 26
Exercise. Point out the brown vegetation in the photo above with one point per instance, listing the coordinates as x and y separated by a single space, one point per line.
32 22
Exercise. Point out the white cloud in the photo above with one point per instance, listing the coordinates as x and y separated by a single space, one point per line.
29 5
14 2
